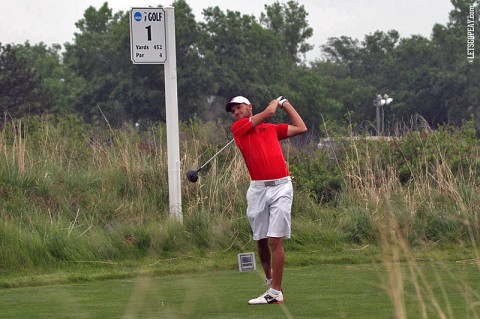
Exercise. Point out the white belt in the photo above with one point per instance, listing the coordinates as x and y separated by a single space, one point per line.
272 182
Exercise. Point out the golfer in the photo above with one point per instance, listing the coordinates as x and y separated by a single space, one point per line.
270 194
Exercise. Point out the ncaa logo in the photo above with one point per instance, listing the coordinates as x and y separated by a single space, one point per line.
137 16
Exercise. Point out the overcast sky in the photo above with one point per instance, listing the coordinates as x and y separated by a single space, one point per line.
53 21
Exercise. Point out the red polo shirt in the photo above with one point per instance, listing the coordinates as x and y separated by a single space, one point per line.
260 148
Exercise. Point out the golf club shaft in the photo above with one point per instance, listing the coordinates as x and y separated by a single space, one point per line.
216 154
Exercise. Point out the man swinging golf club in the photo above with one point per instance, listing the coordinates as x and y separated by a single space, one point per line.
270 194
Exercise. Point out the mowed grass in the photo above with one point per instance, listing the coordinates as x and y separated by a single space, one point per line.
322 291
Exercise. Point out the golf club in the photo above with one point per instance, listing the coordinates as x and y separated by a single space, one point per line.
192 174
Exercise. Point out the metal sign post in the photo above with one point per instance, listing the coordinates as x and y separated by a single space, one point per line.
152 40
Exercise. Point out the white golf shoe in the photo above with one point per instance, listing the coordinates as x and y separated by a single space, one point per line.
267 298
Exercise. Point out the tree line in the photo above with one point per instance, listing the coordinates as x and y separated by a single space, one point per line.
228 53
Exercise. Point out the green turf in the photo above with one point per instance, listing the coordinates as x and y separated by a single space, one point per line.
323 291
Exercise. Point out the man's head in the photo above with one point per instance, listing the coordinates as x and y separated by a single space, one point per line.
240 107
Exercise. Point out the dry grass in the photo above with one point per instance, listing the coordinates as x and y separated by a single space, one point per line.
397 212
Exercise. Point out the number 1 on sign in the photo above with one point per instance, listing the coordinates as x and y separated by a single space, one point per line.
149 33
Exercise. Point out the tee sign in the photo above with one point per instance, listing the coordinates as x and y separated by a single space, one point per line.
147 36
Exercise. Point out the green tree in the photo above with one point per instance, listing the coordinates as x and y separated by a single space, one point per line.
289 20
455 81
343 51
55 77
410 77
344 95
21 88
195 76
246 58
92 58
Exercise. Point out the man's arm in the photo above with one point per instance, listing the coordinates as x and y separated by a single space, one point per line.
298 126
266 114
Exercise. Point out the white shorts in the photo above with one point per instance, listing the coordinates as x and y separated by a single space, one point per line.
269 208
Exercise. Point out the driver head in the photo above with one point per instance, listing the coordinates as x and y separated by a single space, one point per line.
192 175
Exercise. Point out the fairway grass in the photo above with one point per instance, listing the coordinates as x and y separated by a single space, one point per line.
321 291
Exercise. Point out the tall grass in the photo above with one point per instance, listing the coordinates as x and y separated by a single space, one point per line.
417 190
79 193
436 202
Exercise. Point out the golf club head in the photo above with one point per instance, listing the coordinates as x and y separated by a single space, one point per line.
192 175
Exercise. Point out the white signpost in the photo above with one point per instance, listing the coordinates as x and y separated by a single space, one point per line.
152 41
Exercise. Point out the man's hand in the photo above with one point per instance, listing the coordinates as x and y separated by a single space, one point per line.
275 102
281 100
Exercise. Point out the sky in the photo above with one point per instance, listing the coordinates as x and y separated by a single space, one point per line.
53 21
